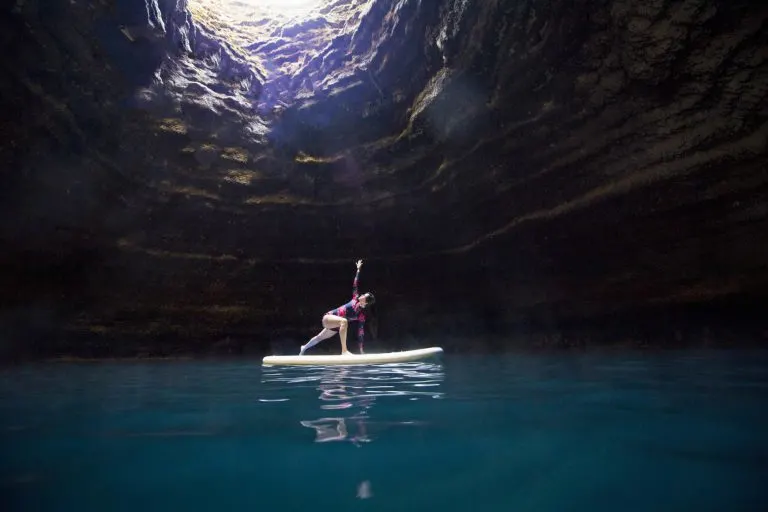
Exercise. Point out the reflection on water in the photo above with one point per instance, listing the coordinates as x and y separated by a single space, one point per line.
349 393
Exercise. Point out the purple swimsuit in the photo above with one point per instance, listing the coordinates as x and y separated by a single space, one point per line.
352 311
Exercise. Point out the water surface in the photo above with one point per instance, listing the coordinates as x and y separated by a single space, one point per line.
559 431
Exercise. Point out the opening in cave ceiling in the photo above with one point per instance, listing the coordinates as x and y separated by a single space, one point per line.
284 40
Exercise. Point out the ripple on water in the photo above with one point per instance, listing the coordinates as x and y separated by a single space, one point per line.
336 402
353 382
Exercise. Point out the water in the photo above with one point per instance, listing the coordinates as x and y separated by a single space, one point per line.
562 432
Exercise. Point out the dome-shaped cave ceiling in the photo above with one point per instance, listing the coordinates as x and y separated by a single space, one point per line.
338 122
216 156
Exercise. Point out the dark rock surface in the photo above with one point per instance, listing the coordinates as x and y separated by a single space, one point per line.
179 177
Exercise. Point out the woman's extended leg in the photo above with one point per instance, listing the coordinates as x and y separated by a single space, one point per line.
332 322
322 335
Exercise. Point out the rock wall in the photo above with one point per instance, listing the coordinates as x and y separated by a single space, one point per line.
175 177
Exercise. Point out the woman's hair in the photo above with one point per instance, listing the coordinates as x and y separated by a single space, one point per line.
372 322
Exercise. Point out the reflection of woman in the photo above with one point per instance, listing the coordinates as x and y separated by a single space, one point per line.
328 429
339 318
333 388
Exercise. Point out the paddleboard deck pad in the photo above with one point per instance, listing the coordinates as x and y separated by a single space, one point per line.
338 359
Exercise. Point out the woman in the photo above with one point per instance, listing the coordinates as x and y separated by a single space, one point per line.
339 318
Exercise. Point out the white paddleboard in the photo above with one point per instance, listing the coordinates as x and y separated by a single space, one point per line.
385 357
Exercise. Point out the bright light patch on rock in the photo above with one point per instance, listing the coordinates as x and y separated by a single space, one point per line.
289 7
260 8
280 38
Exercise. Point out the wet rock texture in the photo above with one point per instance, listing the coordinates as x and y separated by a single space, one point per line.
182 177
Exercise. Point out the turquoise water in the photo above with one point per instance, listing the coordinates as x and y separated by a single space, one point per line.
559 431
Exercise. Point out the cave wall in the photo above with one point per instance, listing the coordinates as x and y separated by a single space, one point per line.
501 166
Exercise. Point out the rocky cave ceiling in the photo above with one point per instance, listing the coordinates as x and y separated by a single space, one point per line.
181 165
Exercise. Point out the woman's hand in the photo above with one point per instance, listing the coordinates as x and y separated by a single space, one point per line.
359 264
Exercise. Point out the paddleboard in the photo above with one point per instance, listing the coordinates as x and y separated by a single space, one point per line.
383 357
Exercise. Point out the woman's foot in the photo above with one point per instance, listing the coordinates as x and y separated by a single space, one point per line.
347 353
303 348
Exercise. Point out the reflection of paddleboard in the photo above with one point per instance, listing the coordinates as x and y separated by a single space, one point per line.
385 357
